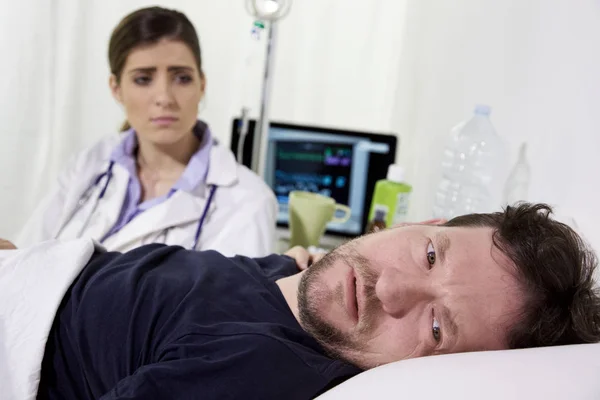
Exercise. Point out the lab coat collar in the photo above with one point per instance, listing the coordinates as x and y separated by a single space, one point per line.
223 168
181 208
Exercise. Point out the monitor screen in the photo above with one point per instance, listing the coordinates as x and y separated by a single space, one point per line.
344 165
331 164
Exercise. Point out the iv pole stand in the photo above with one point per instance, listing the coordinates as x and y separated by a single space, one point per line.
261 129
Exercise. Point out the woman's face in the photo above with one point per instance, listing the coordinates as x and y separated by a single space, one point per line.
160 89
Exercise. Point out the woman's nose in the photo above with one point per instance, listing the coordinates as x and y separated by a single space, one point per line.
163 95
399 291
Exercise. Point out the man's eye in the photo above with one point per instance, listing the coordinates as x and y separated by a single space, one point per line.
430 254
436 330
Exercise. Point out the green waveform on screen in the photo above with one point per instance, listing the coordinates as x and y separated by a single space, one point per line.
297 156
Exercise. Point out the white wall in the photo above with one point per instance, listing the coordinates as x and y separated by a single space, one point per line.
24 113
536 62
336 62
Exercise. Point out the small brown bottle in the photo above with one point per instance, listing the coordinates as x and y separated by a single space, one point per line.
378 222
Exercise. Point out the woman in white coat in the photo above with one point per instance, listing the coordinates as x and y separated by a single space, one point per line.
164 178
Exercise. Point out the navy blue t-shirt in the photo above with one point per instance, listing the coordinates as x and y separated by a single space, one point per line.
161 322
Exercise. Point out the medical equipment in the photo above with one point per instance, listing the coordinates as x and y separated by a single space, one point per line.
339 163
107 176
243 129
84 199
272 11
269 10
213 189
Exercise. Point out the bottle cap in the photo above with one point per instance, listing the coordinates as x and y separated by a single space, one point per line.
482 109
395 173
380 214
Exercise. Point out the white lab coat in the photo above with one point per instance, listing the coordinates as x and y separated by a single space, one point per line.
241 217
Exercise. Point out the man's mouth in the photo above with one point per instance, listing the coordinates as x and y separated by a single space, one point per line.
351 296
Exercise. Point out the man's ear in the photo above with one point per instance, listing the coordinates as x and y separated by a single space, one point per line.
115 88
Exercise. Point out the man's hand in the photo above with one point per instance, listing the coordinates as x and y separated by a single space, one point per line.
303 258
6 245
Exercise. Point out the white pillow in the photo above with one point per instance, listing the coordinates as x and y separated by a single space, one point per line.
550 373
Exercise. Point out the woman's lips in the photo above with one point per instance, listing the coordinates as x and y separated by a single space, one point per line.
164 120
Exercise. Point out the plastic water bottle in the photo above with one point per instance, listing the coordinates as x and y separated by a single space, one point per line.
517 184
473 169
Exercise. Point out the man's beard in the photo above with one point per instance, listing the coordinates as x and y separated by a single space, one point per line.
312 293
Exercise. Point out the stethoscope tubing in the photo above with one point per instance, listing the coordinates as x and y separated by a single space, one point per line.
107 175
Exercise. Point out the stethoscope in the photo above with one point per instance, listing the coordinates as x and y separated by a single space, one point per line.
107 176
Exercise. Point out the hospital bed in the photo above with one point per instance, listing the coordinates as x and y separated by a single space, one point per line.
551 373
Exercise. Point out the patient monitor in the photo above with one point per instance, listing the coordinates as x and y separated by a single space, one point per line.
342 164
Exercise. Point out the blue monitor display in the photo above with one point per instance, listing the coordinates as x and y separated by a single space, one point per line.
342 164
331 164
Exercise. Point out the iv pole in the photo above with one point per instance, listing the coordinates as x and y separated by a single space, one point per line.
261 129
271 11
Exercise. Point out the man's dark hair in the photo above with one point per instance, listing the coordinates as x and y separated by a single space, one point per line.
555 268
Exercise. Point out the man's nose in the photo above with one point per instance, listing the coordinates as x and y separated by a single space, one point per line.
399 291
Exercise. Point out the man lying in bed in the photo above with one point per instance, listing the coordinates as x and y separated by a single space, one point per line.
162 322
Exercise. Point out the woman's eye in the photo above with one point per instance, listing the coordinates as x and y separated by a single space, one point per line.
436 330
430 254
142 80
184 79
